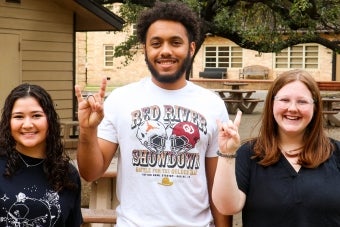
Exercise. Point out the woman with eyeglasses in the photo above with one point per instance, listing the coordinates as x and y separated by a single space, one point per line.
290 174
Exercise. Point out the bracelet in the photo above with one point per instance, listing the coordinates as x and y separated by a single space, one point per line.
226 155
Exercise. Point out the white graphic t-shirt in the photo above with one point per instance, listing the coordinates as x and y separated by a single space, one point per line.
164 138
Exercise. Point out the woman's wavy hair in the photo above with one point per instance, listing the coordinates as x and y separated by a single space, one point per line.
317 147
173 11
56 165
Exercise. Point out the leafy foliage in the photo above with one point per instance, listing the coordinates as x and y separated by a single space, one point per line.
264 26
127 48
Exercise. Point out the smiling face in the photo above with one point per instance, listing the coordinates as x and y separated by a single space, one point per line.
29 127
168 53
293 108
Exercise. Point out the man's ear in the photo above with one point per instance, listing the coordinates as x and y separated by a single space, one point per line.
192 48
143 48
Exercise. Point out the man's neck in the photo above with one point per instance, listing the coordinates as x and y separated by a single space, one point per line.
182 82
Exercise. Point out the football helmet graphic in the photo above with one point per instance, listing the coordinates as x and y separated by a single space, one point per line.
184 137
152 135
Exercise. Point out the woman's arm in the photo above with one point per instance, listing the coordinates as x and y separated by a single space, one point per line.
226 195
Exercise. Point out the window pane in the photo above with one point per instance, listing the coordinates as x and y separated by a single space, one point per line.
313 66
312 60
108 48
223 65
223 48
210 59
236 49
236 65
210 65
297 66
281 60
236 54
210 49
299 56
223 59
134 29
296 48
281 65
222 56
296 60
294 54
210 54
238 59
108 55
311 54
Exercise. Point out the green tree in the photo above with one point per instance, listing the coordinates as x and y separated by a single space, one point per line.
265 26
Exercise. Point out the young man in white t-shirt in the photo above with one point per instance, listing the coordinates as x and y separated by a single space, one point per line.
165 127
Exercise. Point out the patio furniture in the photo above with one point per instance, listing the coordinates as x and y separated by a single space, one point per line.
214 73
254 71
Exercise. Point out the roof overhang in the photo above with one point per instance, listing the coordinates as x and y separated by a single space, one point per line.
91 16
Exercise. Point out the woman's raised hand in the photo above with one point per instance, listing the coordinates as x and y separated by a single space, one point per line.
228 137
90 109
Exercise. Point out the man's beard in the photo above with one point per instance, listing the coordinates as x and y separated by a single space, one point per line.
169 78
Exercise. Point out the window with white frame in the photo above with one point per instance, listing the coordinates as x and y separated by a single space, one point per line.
223 57
302 56
108 55
134 29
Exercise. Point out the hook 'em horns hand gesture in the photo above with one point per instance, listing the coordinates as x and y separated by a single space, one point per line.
228 136
90 109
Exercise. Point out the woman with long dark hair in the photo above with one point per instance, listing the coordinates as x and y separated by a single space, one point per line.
38 185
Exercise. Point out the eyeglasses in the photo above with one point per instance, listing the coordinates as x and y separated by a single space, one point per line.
301 103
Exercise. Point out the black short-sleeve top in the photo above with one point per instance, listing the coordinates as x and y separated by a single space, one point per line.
277 195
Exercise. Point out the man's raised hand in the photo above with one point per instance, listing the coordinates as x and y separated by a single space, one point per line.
90 109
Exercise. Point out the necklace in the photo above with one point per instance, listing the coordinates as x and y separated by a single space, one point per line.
289 152
29 165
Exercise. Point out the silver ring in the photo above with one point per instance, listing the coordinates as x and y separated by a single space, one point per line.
87 98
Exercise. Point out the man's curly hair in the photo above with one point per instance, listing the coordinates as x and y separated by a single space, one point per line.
174 11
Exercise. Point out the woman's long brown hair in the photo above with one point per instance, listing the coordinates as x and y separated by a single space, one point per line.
317 147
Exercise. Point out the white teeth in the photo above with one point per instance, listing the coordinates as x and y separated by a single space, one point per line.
292 118
167 62
28 133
